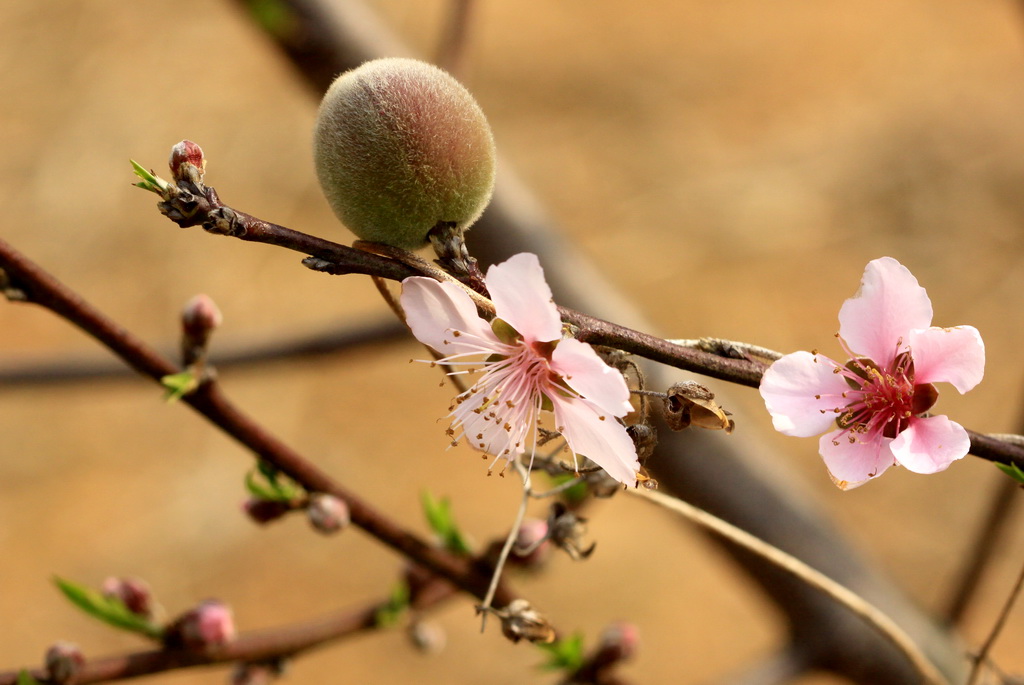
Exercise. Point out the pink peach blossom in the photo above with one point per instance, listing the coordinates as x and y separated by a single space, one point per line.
873 406
525 366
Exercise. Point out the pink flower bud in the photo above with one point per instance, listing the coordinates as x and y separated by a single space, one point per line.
531 546
210 624
327 514
187 162
200 317
63 662
134 593
621 640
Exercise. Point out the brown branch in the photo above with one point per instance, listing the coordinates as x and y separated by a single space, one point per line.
343 338
41 288
218 218
258 646
982 657
1006 494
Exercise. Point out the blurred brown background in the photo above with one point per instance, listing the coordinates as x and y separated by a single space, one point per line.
731 166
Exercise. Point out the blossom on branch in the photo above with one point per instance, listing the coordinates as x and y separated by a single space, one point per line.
875 403
525 366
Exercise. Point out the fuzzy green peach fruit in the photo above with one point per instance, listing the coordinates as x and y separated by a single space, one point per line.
401 146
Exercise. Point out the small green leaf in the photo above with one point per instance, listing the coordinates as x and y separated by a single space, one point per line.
257 489
1013 471
564 655
25 678
388 613
150 181
438 513
574 493
107 609
277 487
178 385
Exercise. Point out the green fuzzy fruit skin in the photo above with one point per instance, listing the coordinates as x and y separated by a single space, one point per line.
400 146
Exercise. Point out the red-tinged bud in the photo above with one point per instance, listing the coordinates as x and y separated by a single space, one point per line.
263 511
620 641
201 317
211 624
531 545
187 162
64 661
327 514
134 593
400 147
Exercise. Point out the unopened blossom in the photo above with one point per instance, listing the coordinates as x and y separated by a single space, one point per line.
525 366
872 408
211 624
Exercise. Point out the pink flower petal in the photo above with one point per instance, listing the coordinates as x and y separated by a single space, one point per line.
888 305
584 371
598 436
522 298
931 444
948 355
800 394
435 311
854 463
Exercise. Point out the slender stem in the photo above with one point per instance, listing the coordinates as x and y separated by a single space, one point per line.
274 643
590 329
983 549
43 289
849 599
990 641
350 335
506 549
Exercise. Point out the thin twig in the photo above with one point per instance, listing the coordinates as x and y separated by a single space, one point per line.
43 289
258 646
499 565
590 329
982 656
849 599
345 337
982 551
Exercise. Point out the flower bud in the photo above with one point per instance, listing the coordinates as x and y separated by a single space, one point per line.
211 624
427 636
531 546
201 317
134 593
187 162
401 146
620 641
63 662
327 514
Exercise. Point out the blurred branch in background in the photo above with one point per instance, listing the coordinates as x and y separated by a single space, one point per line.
346 337
730 479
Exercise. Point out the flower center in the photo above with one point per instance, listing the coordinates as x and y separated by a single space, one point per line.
881 402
